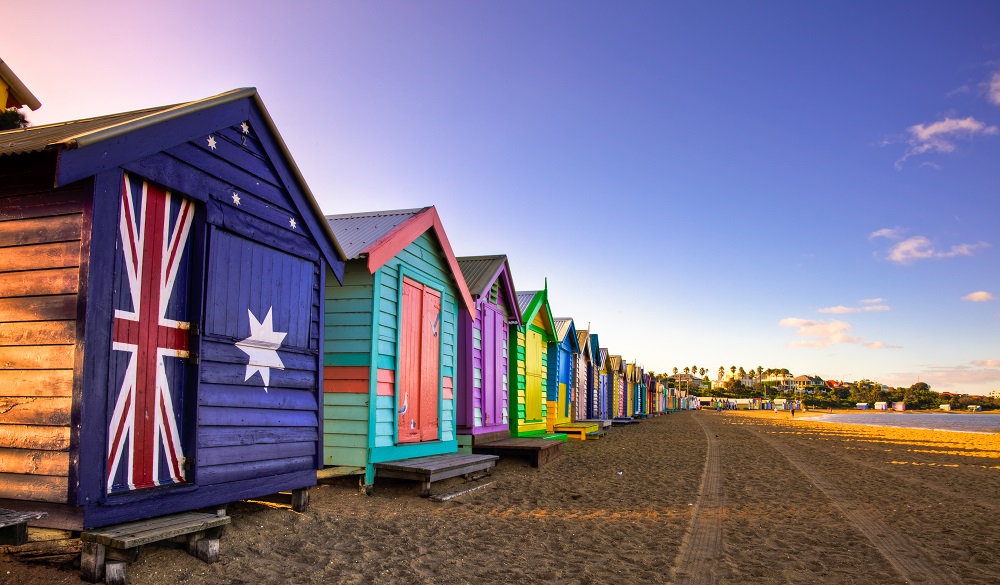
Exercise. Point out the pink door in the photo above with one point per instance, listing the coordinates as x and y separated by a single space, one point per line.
419 363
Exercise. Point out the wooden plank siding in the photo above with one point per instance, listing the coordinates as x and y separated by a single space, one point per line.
361 331
40 259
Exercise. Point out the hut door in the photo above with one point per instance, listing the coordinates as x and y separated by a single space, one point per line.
419 363
148 374
494 332
533 376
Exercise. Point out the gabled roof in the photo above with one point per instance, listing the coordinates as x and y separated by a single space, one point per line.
583 340
566 330
18 94
381 235
615 362
602 355
595 349
87 147
531 302
480 272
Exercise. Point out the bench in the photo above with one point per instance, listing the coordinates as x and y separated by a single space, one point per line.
14 526
433 468
107 551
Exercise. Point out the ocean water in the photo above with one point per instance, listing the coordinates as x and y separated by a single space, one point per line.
941 421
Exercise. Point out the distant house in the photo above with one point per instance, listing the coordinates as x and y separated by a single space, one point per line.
807 383
13 93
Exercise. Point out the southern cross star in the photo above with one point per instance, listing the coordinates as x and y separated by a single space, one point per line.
262 348
211 142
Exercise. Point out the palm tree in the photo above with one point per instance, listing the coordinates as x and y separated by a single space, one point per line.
687 370
722 372
760 372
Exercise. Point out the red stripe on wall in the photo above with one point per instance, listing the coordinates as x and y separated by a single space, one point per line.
386 383
350 379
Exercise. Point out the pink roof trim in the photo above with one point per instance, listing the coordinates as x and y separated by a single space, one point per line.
386 247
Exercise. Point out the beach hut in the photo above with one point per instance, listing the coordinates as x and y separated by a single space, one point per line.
562 384
599 405
881 406
391 346
583 376
616 379
160 281
481 391
559 377
529 368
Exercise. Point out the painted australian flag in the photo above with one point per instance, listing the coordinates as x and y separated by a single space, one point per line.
148 372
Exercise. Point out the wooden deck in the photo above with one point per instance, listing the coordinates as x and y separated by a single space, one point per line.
433 468
14 526
623 420
601 422
106 551
576 430
538 451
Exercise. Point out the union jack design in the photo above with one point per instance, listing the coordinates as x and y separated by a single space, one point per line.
144 445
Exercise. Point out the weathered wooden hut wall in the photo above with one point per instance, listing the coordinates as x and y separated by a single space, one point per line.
361 362
41 236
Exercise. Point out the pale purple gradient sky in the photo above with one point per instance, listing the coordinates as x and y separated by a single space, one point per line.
708 183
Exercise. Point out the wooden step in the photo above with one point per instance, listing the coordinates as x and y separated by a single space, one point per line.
538 451
201 529
433 468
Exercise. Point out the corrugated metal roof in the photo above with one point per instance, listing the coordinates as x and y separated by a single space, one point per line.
583 338
524 299
39 138
478 272
357 232
562 327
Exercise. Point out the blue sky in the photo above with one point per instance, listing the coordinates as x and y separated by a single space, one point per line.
801 185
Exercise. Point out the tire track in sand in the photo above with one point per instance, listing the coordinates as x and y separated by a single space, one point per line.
913 562
702 547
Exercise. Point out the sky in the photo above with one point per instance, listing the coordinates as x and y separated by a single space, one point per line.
785 184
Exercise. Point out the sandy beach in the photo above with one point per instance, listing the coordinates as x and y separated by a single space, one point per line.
695 497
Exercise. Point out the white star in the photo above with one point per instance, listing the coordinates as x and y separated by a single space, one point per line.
291 222
245 127
261 347
236 198
211 142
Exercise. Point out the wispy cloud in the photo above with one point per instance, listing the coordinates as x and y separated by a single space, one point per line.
872 301
941 378
993 89
941 136
881 345
986 363
920 248
841 309
891 233
819 333
980 296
